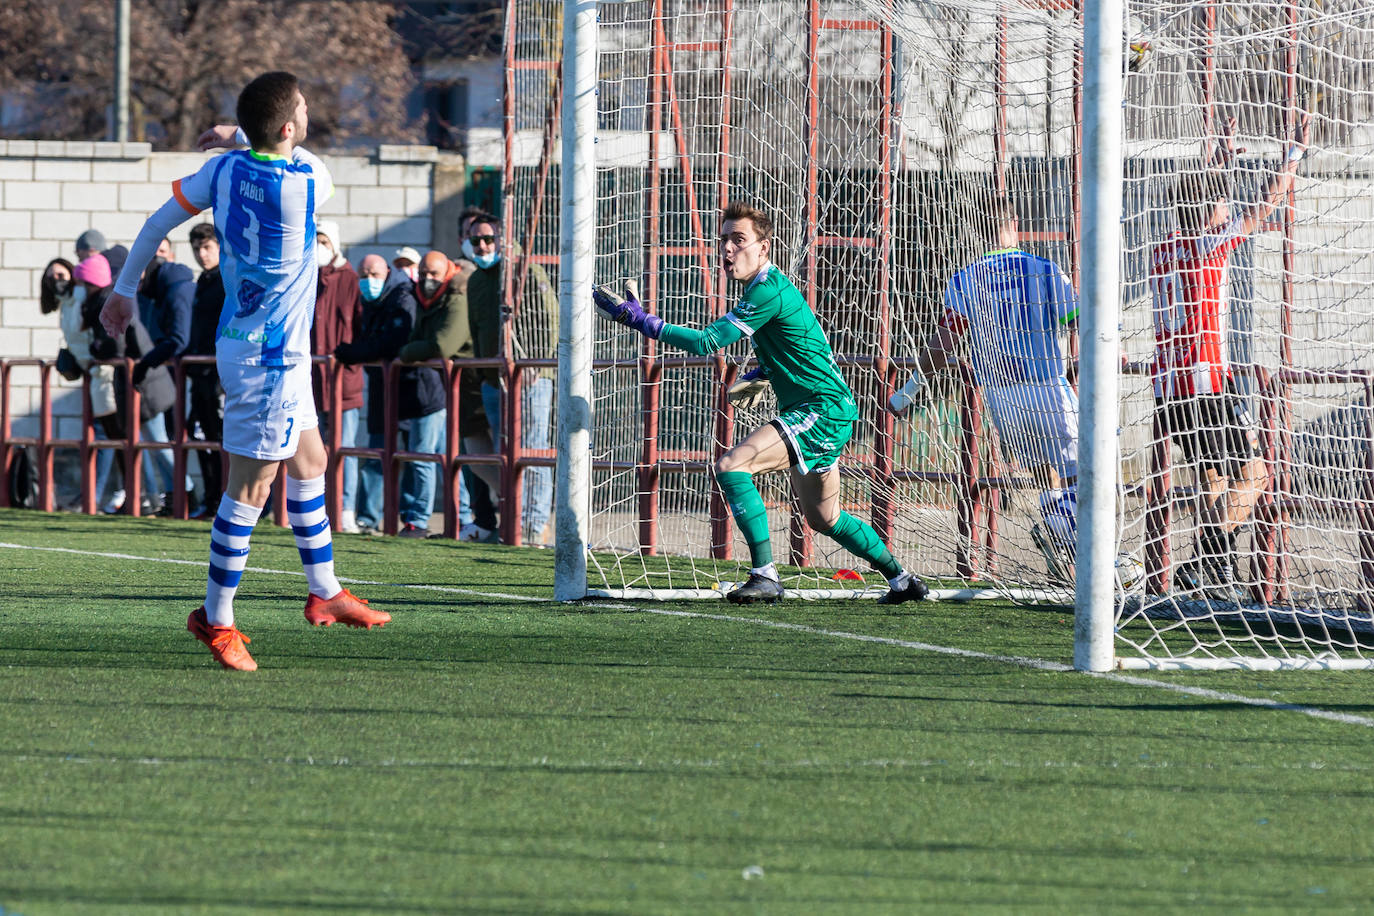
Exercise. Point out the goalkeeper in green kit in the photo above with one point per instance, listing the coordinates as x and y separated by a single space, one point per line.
816 409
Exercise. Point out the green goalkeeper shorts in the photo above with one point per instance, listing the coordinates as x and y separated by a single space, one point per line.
815 434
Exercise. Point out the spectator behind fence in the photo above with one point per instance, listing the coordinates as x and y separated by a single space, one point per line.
58 289
338 314
165 297
205 407
389 308
407 261
473 491
92 241
441 332
156 389
534 335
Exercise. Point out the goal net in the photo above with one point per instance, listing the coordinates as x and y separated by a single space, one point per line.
880 134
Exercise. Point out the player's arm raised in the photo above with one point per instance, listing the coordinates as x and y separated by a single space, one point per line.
1254 217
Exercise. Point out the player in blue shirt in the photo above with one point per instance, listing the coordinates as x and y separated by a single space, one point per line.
264 201
1013 307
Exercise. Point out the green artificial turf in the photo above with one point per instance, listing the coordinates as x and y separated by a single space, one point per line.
496 754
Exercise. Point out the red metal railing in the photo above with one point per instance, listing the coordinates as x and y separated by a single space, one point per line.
511 457
976 510
975 484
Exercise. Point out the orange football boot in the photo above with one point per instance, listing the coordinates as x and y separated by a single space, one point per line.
345 608
226 643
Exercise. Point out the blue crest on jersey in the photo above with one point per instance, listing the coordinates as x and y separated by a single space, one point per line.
250 297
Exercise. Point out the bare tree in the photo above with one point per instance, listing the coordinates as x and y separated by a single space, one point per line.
191 57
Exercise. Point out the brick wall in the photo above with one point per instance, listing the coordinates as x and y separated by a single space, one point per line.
52 191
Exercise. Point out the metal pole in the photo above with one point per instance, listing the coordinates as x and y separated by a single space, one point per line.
1095 599
577 250
121 74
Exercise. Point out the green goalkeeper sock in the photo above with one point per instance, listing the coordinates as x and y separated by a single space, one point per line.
861 540
750 515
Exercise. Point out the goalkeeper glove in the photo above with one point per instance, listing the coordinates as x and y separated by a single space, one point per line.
912 394
627 310
748 389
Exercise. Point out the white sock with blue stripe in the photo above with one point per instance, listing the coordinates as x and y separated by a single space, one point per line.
228 556
310 525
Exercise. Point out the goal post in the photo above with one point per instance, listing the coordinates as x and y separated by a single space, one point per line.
880 134
577 253
1099 465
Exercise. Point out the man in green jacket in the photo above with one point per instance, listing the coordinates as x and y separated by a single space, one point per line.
534 335
441 331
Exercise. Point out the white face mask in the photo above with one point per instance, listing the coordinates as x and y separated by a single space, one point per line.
324 255
467 250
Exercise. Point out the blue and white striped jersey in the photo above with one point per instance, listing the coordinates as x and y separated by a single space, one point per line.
1014 305
264 213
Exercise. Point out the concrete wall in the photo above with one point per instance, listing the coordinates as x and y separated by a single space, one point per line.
51 191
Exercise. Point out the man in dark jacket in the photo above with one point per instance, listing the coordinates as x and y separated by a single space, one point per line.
389 308
164 299
441 332
205 407
338 312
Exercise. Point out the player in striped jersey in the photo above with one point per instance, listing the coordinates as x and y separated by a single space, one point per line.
264 201
1194 390
816 409
1013 306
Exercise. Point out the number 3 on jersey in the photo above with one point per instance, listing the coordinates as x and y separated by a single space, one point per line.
250 236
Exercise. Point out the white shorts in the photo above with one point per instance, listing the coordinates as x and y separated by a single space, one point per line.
1038 423
266 409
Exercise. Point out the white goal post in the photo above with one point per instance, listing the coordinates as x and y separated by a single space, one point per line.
879 133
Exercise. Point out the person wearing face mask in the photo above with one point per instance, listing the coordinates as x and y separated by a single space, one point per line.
534 335
338 314
389 308
475 497
59 291
407 261
442 332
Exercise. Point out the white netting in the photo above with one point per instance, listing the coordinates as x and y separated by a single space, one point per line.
879 133
1298 332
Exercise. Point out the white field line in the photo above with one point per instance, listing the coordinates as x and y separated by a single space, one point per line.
1038 664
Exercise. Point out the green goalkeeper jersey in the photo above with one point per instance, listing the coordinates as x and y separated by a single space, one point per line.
788 341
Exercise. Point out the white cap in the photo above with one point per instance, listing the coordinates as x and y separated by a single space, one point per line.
406 254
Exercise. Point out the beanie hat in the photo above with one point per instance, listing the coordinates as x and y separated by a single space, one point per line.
91 239
94 270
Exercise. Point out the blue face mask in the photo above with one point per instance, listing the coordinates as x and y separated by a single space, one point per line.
371 287
486 260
